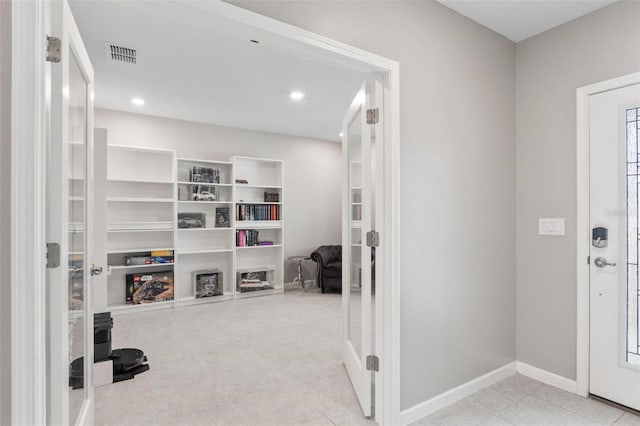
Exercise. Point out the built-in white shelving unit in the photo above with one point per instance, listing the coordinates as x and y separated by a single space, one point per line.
140 216
263 216
209 247
150 197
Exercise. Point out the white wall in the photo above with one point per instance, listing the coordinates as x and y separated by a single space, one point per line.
550 67
5 188
312 170
457 82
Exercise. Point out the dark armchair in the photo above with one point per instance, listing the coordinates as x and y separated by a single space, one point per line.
329 262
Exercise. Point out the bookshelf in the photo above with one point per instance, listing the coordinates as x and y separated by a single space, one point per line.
154 205
140 194
209 247
259 225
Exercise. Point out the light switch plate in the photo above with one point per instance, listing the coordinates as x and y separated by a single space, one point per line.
551 226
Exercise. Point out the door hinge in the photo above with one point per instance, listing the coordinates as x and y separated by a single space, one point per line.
588 260
53 255
373 363
373 239
373 116
54 48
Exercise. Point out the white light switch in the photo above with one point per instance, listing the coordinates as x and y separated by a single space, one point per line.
551 226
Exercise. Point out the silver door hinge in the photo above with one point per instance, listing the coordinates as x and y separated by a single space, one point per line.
373 239
54 46
373 116
53 255
373 363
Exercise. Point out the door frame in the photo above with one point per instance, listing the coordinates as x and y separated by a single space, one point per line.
387 307
583 235
30 74
29 136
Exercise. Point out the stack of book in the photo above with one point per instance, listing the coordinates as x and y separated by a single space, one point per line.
254 212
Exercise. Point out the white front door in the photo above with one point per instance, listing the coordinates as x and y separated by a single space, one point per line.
614 144
359 140
69 222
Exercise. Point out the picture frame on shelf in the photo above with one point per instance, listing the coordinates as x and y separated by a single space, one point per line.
192 220
222 217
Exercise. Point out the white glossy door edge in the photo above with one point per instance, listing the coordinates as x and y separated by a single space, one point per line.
387 314
583 223
29 77
72 51
356 255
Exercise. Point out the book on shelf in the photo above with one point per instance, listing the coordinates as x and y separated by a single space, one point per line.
207 283
247 237
155 258
144 288
257 212
222 217
271 197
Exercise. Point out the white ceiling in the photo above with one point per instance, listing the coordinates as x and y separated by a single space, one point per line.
520 19
195 66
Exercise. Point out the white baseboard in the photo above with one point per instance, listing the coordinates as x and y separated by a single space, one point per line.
546 377
436 403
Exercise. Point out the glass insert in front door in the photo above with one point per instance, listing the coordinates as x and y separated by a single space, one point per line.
633 238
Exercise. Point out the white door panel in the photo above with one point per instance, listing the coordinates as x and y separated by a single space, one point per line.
69 222
614 360
358 139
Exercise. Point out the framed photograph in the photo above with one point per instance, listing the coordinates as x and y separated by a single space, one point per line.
207 283
222 217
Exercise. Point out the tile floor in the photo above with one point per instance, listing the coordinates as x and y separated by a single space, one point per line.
518 400
273 360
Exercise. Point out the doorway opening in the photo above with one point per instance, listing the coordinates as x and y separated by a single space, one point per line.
148 158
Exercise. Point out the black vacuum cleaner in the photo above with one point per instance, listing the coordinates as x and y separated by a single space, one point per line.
127 362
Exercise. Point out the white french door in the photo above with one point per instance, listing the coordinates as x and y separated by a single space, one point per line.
614 145
358 151
69 223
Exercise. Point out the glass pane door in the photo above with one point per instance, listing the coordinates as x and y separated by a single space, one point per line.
78 272
355 221
632 353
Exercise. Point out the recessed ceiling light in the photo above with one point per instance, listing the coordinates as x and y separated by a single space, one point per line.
137 101
341 134
296 96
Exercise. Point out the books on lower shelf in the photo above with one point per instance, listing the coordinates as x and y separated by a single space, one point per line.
249 238
154 258
257 212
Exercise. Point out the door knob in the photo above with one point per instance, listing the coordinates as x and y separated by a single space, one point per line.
96 270
601 262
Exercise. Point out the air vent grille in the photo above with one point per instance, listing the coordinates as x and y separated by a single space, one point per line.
121 53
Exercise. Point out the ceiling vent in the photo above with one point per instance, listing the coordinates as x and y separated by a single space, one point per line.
120 53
